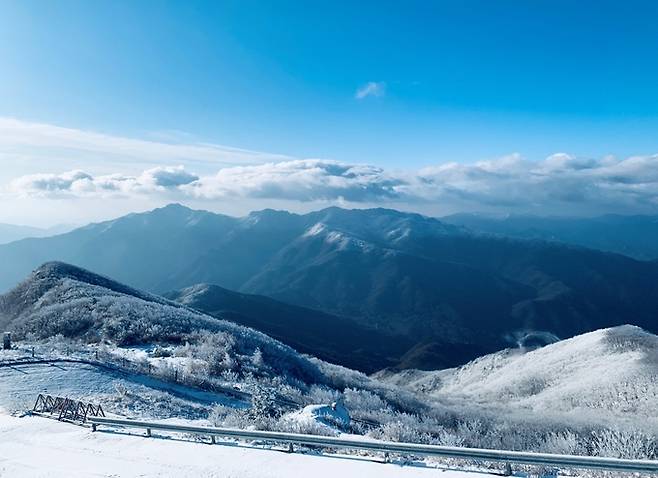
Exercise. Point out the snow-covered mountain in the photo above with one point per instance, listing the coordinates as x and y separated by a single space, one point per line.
60 299
86 309
447 294
594 393
612 372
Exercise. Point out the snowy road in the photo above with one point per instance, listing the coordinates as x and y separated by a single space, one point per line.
37 448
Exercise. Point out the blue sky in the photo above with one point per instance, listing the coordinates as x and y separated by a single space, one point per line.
462 81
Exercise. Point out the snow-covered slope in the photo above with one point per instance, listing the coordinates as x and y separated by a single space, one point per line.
131 395
62 299
40 448
612 371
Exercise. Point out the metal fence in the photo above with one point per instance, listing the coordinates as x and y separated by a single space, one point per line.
541 459
66 409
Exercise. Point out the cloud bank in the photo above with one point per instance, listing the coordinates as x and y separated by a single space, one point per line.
558 184
82 184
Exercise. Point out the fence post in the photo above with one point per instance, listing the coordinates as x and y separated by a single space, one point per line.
6 341
148 432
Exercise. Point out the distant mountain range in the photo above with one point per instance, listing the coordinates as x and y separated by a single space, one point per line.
11 232
426 293
634 236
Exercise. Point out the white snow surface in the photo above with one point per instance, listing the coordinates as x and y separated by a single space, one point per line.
610 371
333 417
19 386
38 447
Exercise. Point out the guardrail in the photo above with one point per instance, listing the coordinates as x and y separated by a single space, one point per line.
545 459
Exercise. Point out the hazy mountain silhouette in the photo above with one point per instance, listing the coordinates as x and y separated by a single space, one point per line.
634 236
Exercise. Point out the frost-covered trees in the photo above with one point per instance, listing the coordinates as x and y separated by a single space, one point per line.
620 443
91 313
264 405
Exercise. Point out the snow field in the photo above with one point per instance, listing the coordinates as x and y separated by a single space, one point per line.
42 448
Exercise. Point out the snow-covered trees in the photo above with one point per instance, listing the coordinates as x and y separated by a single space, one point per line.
264 405
94 314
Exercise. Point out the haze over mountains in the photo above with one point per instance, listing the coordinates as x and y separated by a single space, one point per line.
436 294
11 232
635 236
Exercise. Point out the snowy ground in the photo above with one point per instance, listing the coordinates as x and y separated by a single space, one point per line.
39 447
609 374
19 386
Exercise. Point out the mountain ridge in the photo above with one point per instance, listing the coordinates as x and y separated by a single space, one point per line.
612 370
61 299
332 338
433 286
635 235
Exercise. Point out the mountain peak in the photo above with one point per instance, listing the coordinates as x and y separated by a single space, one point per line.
58 269
52 272
270 214
173 208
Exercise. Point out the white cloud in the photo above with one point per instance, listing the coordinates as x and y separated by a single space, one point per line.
82 184
557 184
300 180
28 147
372 88
41 161
169 177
